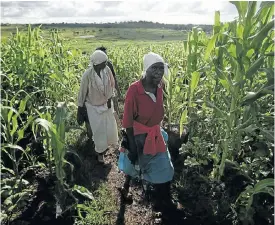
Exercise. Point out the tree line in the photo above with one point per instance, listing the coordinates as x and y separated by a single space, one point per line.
128 24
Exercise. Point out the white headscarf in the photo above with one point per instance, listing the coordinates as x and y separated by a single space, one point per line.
98 57
150 59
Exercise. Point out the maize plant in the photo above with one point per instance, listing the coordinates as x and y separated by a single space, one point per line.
238 64
246 198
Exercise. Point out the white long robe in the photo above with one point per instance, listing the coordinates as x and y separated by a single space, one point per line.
102 120
104 127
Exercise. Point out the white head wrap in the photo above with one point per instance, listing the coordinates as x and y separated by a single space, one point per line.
150 59
98 57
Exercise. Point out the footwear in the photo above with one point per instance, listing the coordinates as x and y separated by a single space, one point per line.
172 205
164 201
126 196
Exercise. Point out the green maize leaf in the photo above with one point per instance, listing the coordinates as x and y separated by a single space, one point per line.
74 153
263 12
269 54
58 141
194 82
266 4
244 125
7 114
3 169
239 49
10 113
15 147
83 191
195 35
269 15
255 67
268 135
220 74
48 126
269 74
14 125
15 97
80 208
220 112
58 146
240 31
185 45
210 46
258 38
18 148
252 5
232 50
246 112
183 120
71 165
20 134
267 46
225 84
241 7
8 202
9 155
250 53
22 105
217 22
269 191
269 182
249 129
61 131
21 131
253 96
248 20
226 100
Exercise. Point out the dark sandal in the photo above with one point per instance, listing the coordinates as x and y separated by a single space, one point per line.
127 197
157 217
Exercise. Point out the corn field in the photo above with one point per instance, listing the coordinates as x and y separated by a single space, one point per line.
221 87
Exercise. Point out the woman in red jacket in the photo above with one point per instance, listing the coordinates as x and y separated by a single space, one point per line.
147 155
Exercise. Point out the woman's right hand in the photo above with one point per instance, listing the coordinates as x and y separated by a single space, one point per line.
132 155
132 145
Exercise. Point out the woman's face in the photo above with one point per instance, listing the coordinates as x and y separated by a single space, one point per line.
100 66
155 73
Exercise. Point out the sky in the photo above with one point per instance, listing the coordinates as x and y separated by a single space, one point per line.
81 11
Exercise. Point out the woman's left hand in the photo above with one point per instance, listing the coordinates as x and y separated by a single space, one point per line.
80 115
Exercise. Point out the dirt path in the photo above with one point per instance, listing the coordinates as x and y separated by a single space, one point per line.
93 173
138 212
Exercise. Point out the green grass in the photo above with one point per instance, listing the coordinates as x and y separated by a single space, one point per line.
99 211
105 36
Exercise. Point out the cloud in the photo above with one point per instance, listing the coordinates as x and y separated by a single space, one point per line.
32 4
111 11
107 4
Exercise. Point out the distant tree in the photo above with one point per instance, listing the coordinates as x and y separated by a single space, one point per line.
129 24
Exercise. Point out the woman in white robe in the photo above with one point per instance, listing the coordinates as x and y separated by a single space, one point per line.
96 91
